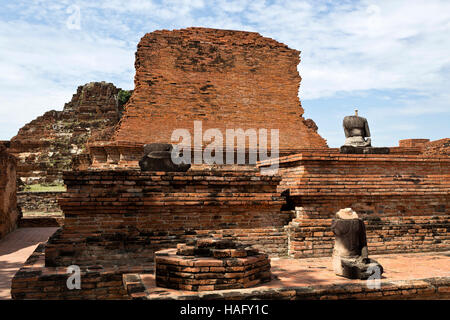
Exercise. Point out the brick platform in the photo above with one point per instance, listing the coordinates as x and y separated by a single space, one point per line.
45 146
403 199
15 248
36 281
112 217
313 278
204 264
116 220
9 215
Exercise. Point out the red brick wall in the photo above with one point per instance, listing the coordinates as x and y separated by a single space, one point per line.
122 217
404 200
113 216
439 148
385 234
9 214
226 79
322 175
45 146
408 143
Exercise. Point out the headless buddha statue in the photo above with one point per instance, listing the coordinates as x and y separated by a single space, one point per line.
158 157
350 253
356 129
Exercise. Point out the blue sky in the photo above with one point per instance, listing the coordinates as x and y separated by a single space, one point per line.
390 59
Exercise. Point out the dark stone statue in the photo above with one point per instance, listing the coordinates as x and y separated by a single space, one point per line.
356 130
357 135
350 254
158 157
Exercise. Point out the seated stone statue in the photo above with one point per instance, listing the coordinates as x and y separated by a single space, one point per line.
356 130
350 254
158 157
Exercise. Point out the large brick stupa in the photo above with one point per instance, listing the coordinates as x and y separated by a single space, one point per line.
226 79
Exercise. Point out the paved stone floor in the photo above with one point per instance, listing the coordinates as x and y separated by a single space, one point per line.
15 248
318 272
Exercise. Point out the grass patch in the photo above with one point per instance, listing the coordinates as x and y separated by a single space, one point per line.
27 214
44 188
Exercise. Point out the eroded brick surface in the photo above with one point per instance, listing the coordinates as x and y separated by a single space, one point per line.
314 278
204 264
15 249
35 281
45 146
226 79
438 147
113 217
9 214
403 199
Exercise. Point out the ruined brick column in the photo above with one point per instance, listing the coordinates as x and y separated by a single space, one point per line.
225 79
9 214
45 146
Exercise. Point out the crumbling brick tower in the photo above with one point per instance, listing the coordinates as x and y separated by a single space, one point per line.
226 79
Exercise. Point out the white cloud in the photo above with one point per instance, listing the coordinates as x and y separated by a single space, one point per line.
375 45
347 47
42 66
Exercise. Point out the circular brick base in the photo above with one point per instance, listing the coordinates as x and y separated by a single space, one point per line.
211 264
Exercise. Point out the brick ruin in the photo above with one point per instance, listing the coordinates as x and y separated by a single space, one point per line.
404 200
45 146
9 214
439 148
117 217
225 79
51 143
116 220
113 217
206 264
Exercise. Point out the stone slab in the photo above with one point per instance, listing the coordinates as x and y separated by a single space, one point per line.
15 248
364 150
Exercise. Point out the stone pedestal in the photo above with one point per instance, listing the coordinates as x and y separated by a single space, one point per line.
363 150
356 268
211 264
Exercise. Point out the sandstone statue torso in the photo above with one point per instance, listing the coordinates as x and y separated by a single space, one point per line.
350 253
350 236
356 130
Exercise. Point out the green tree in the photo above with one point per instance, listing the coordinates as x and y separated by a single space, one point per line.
123 97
